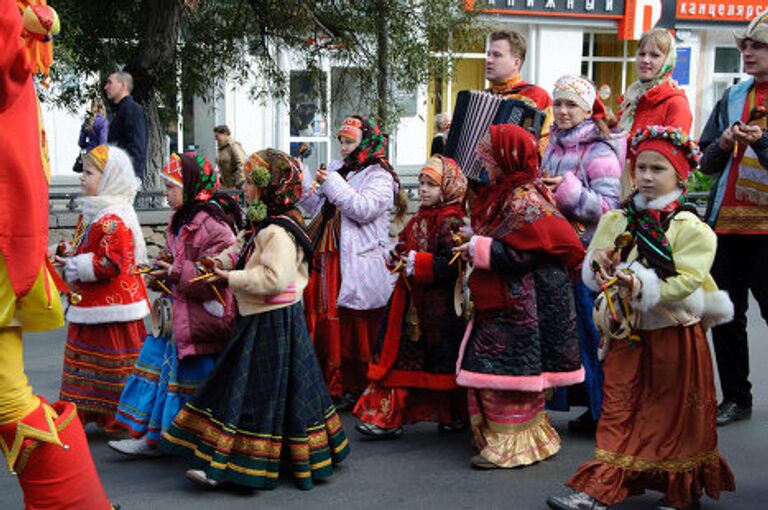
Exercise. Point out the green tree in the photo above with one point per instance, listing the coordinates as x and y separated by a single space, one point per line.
193 45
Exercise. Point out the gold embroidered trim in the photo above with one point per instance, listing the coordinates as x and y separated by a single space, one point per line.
639 464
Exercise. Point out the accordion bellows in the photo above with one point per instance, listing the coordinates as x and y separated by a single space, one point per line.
477 110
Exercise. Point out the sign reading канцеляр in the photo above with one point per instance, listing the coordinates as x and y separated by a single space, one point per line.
720 10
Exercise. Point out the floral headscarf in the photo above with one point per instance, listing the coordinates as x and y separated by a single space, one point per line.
446 173
195 174
370 151
278 177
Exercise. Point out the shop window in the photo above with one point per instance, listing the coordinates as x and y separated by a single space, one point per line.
309 129
727 60
727 70
610 63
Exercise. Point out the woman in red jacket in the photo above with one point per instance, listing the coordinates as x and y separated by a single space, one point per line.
654 99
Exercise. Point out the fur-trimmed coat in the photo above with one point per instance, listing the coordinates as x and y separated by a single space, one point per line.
689 297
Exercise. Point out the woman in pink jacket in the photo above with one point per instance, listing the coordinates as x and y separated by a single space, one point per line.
350 284
170 367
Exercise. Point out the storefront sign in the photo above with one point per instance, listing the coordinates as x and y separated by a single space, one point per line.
720 10
641 16
562 8
682 71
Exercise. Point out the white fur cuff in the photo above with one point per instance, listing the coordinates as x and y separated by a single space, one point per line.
718 309
650 294
85 270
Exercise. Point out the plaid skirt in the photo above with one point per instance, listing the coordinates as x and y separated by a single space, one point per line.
264 403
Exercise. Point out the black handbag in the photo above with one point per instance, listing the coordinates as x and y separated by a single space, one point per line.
78 166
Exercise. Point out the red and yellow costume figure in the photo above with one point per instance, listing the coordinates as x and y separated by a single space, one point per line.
413 369
106 327
43 443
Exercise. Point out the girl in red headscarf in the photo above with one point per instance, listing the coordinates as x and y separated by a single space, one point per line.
413 369
657 429
522 339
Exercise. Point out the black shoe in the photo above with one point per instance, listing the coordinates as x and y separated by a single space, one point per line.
376 432
584 424
452 428
728 412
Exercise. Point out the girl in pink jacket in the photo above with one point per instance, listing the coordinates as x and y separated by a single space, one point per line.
170 367
350 283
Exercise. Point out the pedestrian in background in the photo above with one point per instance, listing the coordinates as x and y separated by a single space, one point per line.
735 145
582 168
522 339
106 327
95 128
128 126
442 126
230 158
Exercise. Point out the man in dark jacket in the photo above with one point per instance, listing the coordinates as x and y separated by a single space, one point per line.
128 127
735 146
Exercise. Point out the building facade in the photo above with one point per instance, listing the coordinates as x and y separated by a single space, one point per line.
596 38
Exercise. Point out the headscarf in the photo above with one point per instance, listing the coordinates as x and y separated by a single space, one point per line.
425 225
446 173
278 177
648 226
639 88
370 151
195 174
517 211
115 194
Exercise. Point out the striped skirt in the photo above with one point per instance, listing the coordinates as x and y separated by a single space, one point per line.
159 386
98 359
511 428
265 402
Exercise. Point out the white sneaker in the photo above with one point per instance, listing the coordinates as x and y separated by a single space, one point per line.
575 501
198 476
134 448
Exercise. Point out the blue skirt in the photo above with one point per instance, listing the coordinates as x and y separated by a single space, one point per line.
159 387
589 340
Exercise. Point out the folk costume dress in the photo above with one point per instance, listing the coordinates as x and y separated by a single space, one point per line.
413 372
350 284
590 164
657 429
106 328
170 368
522 339
33 432
265 401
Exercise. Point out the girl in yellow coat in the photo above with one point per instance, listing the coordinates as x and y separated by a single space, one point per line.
657 430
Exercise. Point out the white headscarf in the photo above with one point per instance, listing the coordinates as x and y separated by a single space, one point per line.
115 194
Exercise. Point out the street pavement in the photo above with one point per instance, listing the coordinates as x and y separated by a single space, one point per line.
423 470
